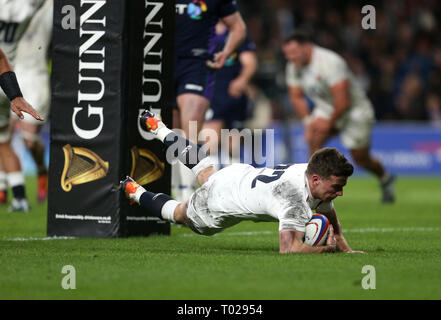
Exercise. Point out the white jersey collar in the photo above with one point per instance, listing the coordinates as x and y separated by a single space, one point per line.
309 197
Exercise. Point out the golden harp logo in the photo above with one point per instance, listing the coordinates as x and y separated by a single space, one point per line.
146 167
81 165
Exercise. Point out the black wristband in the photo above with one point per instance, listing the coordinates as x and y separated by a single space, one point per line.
9 84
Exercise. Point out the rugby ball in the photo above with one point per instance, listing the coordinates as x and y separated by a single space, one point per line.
317 230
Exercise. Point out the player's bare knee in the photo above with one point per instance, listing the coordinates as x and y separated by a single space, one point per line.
30 144
181 213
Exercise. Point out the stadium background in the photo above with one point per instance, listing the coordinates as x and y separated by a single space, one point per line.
399 64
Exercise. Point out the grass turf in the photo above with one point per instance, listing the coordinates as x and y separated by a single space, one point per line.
401 241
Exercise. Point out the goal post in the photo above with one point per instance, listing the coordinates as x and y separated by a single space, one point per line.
110 60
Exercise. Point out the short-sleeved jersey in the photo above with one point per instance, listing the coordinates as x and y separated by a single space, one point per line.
242 192
194 25
326 69
15 16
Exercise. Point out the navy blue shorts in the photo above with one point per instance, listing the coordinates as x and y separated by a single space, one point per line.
193 76
233 112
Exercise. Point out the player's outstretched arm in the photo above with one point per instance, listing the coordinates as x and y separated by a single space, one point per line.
291 241
9 84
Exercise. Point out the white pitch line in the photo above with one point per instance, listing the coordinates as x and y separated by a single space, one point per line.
408 229
364 230
39 239
228 234
254 233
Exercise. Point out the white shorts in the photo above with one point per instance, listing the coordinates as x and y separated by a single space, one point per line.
355 127
35 89
31 63
205 220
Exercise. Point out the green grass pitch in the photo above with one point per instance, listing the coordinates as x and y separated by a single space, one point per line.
402 242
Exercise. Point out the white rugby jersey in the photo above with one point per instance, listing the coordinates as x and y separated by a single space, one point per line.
33 46
15 16
282 194
325 69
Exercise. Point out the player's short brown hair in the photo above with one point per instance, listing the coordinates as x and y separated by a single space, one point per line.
328 162
299 35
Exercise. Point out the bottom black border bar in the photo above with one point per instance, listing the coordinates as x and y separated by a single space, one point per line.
221 309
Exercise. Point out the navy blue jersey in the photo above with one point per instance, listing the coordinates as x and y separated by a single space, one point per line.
194 25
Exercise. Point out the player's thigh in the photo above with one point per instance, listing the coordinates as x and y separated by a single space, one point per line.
30 132
211 132
192 109
192 105
5 107
356 134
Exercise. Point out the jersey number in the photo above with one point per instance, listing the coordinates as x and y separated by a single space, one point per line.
8 29
277 173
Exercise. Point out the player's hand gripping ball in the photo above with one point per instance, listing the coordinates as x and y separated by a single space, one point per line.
317 230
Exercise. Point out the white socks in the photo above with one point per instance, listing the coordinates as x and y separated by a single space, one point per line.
137 194
15 179
163 132
168 210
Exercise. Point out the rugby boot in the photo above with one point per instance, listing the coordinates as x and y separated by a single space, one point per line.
3 196
149 122
18 205
388 190
132 189
42 188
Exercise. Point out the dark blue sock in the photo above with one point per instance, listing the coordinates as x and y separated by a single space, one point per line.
153 202
19 192
187 152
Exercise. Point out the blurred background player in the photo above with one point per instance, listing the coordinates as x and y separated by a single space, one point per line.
340 105
194 67
240 192
229 105
32 68
15 17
